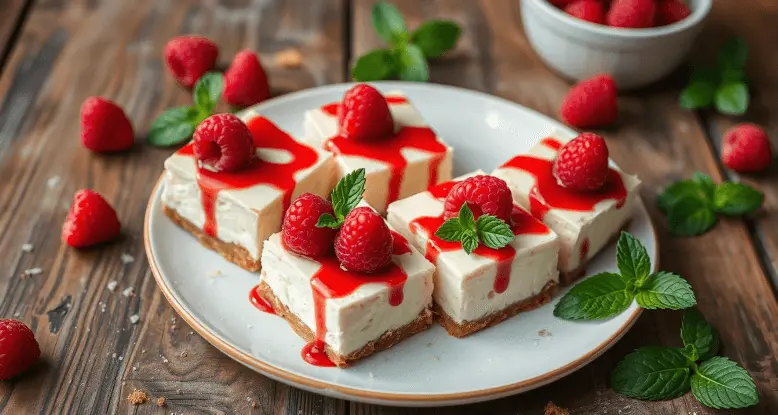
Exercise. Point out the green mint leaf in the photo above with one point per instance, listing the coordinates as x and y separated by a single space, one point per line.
676 191
697 332
632 258
665 290
413 65
466 219
600 296
207 91
734 53
721 383
374 65
690 351
736 199
436 37
174 126
732 98
469 241
493 232
698 95
707 186
389 23
328 221
733 75
451 231
348 193
652 373
690 216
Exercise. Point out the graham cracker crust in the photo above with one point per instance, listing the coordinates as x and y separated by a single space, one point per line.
469 327
231 252
568 277
387 340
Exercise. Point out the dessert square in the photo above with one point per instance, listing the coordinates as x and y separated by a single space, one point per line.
585 222
476 291
409 162
233 213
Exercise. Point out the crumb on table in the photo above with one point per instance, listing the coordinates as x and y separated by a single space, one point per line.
138 397
552 409
161 401
289 58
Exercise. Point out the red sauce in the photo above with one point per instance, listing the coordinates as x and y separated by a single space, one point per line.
314 354
259 302
399 244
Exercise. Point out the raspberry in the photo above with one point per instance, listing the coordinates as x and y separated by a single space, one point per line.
364 243
189 57
104 126
245 82
224 143
589 10
364 114
90 221
484 195
582 164
671 11
746 148
632 14
299 230
591 103
18 348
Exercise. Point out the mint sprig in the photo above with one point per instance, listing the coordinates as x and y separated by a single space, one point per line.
695 331
345 196
723 86
721 383
607 294
691 205
653 373
406 58
489 230
177 125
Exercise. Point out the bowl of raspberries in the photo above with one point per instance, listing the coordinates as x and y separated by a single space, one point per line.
637 42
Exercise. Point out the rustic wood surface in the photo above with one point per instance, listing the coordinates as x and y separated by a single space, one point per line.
55 53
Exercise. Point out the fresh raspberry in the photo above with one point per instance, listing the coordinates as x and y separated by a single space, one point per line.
18 348
633 14
364 243
591 103
484 195
224 143
671 11
245 82
364 114
90 221
189 57
104 127
746 148
589 10
299 230
582 164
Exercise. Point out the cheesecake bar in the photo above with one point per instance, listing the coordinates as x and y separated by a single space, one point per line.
476 291
408 162
234 212
585 221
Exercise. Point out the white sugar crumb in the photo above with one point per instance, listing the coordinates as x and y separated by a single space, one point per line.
113 355
32 272
121 357
164 359
134 368
52 182
27 248
112 286
134 318
217 273
371 375
127 258
17 314
128 292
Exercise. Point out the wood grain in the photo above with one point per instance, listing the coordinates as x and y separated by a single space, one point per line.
11 18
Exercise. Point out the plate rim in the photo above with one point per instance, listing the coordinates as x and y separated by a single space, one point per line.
323 387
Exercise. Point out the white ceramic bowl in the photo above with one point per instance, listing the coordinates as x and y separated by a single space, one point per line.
634 57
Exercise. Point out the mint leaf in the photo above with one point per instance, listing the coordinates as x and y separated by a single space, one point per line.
328 221
469 241
721 383
466 219
690 216
413 66
698 95
374 65
436 37
632 258
348 193
734 53
451 231
707 186
736 199
697 332
207 91
389 23
665 290
174 126
652 373
733 75
732 98
600 296
493 232
691 353
676 191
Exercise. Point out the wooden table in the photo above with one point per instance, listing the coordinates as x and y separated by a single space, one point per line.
55 53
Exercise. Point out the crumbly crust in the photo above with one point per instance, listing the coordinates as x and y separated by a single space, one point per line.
230 251
387 340
469 327
568 277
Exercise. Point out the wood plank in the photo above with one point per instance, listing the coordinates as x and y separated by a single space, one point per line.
93 355
660 143
11 18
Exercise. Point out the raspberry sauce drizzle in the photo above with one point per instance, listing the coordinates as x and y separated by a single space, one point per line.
259 302
280 176
547 194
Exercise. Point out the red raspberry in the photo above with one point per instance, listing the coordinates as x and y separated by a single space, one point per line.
104 127
589 10
364 114
90 221
671 11
591 103
484 195
224 143
364 243
299 230
18 348
632 14
245 82
746 148
582 164
189 57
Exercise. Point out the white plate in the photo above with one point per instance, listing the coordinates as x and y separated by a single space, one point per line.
430 368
